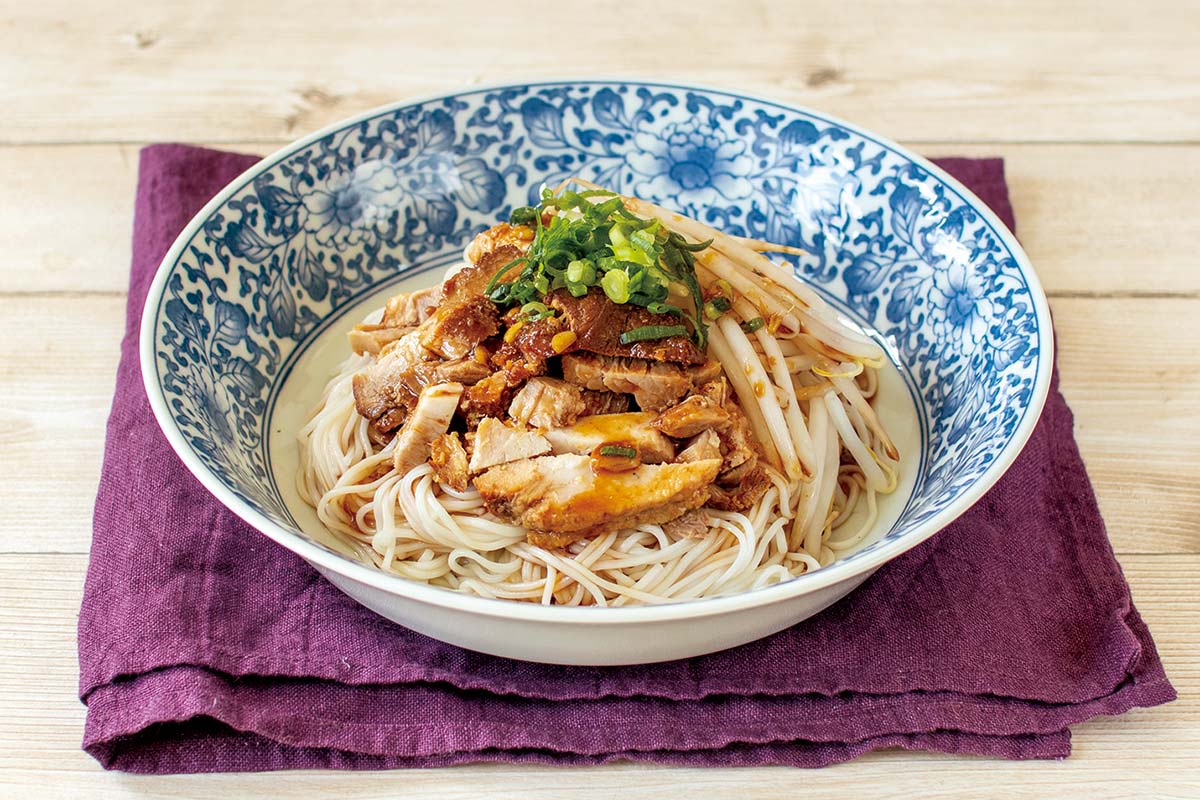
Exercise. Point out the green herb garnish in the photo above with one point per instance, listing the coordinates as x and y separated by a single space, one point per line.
535 312
751 325
716 307
593 240
618 450
649 332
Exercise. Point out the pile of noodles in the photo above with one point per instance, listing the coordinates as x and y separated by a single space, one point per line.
806 383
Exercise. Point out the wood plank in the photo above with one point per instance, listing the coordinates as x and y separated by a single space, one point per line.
1143 752
1102 219
76 217
1148 376
1131 372
226 70
1091 217
58 359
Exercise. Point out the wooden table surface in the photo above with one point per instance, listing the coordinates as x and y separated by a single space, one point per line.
1095 106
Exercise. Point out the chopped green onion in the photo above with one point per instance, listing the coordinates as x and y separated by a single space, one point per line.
664 308
579 271
691 247
522 215
648 332
535 311
589 238
716 307
751 325
615 284
500 273
618 450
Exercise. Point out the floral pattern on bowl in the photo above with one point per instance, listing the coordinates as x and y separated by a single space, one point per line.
893 241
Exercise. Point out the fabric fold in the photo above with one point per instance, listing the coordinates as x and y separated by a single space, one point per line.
205 646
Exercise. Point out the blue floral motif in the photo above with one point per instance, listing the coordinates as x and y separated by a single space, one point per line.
352 206
889 242
690 165
960 308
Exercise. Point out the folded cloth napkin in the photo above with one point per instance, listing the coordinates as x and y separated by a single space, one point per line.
203 646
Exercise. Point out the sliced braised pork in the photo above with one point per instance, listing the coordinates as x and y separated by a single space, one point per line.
472 279
388 388
692 525
449 461
459 325
690 417
497 443
488 398
559 499
598 324
464 317
466 371
373 338
632 429
706 373
546 403
386 391
502 237
409 309
430 418
716 389
737 439
604 403
403 313
704 446
653 386
742 494
742 479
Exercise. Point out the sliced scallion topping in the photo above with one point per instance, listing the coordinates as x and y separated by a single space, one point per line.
716 307
751 325
523 215
591 239
618 450
649 332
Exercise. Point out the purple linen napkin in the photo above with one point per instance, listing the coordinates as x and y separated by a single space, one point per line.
203 646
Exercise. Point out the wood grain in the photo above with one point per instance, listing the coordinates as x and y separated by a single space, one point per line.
230 70
1131 371
41 727
76 217
1090 216
1123 361
58 360
1095 106
1102 219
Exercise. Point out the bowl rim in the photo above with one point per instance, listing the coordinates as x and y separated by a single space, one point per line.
327 560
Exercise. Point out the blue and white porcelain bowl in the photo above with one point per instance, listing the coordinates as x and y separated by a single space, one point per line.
245 320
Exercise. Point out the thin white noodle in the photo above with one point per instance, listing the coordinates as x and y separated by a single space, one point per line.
413 526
